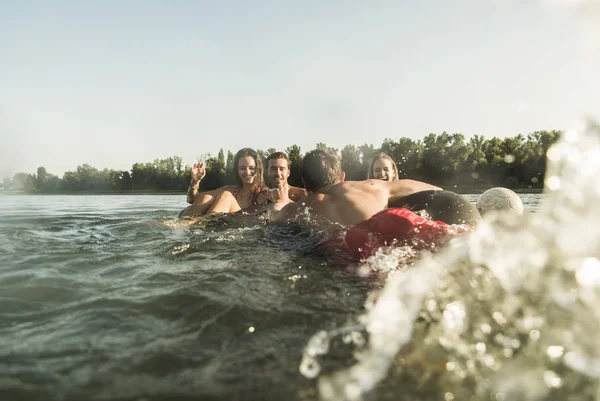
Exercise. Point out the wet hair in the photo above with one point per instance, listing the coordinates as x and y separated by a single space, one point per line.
277 156
320 167
258 172
383 156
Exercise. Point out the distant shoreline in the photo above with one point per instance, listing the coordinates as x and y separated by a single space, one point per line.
457 189
480 190
93 193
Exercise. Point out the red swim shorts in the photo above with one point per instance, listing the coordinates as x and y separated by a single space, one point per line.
390 226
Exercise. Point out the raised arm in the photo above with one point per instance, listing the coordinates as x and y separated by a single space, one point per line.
198 172
400 188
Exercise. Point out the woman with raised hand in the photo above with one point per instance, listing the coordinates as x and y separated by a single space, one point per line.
248 191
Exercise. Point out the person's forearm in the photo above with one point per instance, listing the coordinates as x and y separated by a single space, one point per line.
418 186
401 188
192 192
275 213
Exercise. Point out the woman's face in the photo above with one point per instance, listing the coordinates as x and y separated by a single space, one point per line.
247 169
383 170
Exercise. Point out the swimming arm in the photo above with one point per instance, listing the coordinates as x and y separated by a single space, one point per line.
400 188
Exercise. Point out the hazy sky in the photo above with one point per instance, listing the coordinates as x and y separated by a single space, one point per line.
119 82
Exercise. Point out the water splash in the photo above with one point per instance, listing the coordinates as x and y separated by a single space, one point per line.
507 313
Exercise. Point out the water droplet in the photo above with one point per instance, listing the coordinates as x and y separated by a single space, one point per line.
570 136
449 397
553 183
454 316
588 273
534 335
309 368
489 361
251 329
499 318
353 391
552 380
553 153
364 271
480 347
555 351
509 159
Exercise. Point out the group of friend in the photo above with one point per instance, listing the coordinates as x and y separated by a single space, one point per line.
369 214
252 190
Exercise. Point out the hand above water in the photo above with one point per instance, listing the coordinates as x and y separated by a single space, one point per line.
280 195
198 172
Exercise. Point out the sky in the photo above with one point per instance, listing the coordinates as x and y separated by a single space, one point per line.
113 83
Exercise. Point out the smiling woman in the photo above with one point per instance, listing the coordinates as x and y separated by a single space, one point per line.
383 167
248 191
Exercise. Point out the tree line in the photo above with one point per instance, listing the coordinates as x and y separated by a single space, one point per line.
441 159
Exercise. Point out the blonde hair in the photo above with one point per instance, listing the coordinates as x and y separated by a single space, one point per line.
383 156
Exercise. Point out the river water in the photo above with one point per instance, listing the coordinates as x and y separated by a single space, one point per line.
107 298
111 298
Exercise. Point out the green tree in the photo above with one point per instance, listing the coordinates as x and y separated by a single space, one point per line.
351 164
295 155
216 175
229 163
221 158
324 146
367 152
23 182
408 157
41 176
6 183
442 156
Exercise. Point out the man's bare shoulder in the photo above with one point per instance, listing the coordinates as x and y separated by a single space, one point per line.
353 186
296 193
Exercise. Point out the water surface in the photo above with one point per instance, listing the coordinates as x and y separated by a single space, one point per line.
104 298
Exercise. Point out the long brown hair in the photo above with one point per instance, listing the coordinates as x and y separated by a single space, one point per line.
258 172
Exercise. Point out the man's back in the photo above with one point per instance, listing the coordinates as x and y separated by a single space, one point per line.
351 202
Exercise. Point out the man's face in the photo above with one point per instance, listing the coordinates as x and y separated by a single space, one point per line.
278 172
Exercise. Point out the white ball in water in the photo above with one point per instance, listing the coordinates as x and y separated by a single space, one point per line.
499 199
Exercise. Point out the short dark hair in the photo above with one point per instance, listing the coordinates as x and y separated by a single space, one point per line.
277 156
320 167
258 173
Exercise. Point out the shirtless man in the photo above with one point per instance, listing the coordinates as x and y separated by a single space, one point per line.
361 208
338 201
278 171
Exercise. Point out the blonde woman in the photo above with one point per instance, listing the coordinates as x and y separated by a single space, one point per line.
383 167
